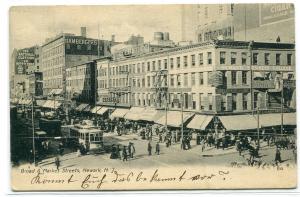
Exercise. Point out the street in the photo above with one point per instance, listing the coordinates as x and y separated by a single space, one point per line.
169 157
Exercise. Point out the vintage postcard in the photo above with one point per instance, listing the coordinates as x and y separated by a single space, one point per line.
160 97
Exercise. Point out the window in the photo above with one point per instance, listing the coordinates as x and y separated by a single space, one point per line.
209 59
166 64
244 77
201 80
178 62
209 77
222 57
148 81
201 59
255 98
289 59
233 77
185 80
193 60
209 95
267 58
143 67
233 58
159 64
254 59
185 61
171 63
193 102
278 58
233 101
172 80
193 79
138 68
153 66
244 58
178 81
200 101
245 96
148 66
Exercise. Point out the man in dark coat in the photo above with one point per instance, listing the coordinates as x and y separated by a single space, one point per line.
149 148
57 162
124 153
277 156
157 148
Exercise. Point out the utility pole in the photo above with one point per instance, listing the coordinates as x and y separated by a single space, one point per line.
181 119
281 104
33 129
258 124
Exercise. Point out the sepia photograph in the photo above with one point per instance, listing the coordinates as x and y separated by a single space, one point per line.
152 97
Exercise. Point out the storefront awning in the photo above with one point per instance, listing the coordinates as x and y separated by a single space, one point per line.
238 122
174 118
55 92
200 122
81 107
151 114
95 109
52 104
269 120
102 110
87 108
119 113
134 113
40 103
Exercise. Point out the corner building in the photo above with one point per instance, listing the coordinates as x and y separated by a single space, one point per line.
211 77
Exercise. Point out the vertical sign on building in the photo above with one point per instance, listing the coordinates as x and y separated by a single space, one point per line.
24 59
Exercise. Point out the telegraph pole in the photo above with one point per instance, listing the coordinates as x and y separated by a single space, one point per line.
33 129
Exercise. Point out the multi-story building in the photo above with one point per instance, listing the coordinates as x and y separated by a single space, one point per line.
24 62
246 22
80 82
66 50
210 77
36 83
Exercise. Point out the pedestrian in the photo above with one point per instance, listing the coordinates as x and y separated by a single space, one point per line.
160 137
118 152
149 148
203 145
131 149
57 162
157 148
124 153
277 156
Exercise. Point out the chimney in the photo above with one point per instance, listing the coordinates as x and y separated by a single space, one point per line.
83 32
113 38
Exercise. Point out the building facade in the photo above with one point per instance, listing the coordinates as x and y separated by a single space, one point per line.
64 51
36 84
80 83
210 77
246 22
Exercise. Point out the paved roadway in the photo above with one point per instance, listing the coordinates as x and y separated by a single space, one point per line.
172 156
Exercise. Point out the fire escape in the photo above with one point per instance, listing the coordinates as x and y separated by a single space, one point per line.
161 88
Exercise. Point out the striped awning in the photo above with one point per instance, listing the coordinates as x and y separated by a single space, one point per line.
200 122
119 113
174 118
134 113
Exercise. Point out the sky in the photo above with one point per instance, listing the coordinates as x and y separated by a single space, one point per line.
32 25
